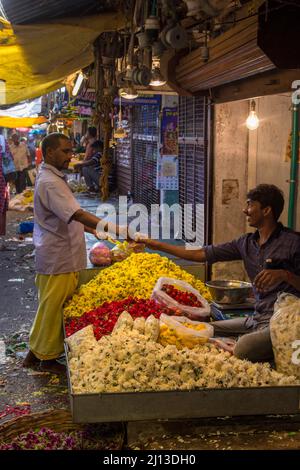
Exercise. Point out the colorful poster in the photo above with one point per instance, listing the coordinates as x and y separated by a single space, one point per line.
169 131
167 172
167 162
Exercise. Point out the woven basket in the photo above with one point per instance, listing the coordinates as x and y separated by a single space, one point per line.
58 421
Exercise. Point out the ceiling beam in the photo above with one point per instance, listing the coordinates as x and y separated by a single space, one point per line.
268 83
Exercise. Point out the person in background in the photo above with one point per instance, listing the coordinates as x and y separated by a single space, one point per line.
38 156
90 138
60 251
2 141
91 169
4 191
21 158
32 149
271 243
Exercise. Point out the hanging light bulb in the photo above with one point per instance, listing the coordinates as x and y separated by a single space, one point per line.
78 84
252 121
128 93
156 77
120 132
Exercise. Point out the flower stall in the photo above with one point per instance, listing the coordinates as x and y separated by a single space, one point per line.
132 354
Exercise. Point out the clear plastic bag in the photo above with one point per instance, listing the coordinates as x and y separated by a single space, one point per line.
162 298
100 255
285 334
122 250
152 328
81 341
123 324
139 325
183 332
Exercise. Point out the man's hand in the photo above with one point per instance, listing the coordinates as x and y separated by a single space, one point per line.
122 232
269 278
100 235
140 237
77 166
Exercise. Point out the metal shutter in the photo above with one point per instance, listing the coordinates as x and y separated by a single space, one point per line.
192 162
123 155
145 139
233 55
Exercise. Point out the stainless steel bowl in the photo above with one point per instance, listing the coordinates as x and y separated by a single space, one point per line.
230 292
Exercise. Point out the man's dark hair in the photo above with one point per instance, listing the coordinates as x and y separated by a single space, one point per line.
92 131
98 144
268 195
52 141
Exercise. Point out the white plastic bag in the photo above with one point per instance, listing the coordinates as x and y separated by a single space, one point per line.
81 341
285 334
181 331
162 298
152 328
124 323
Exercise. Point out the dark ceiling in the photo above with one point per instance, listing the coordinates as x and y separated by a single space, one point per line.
33 11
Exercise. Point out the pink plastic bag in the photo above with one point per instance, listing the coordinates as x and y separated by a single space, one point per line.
162 298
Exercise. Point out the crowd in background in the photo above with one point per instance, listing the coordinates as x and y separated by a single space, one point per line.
20 158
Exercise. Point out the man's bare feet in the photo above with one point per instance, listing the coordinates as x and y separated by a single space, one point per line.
45 366
31 360
53 366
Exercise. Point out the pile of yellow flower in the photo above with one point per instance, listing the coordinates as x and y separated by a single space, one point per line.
27 197
22 201
169 335
136 276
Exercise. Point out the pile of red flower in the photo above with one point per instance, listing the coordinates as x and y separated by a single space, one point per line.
18 410
182 297
105 317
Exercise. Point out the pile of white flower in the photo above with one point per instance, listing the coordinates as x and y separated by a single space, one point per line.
131 361
285 334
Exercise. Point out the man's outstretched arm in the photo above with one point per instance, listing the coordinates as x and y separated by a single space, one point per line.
197 254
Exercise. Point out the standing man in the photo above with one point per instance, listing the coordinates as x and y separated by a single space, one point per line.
32 149
4 190
59 225
271 241
21 156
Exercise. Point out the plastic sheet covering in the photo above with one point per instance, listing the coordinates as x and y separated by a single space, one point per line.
13 122
35 59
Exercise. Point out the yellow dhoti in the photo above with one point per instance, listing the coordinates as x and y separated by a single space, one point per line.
46 339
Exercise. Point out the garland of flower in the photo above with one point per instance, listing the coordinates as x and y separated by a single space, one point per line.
102 115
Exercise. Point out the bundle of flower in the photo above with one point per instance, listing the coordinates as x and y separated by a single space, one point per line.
182 297
131 360
105 317
136 276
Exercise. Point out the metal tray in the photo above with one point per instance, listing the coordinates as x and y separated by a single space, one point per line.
139 406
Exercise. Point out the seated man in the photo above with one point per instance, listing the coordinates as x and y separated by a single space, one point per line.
91 169
270 241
